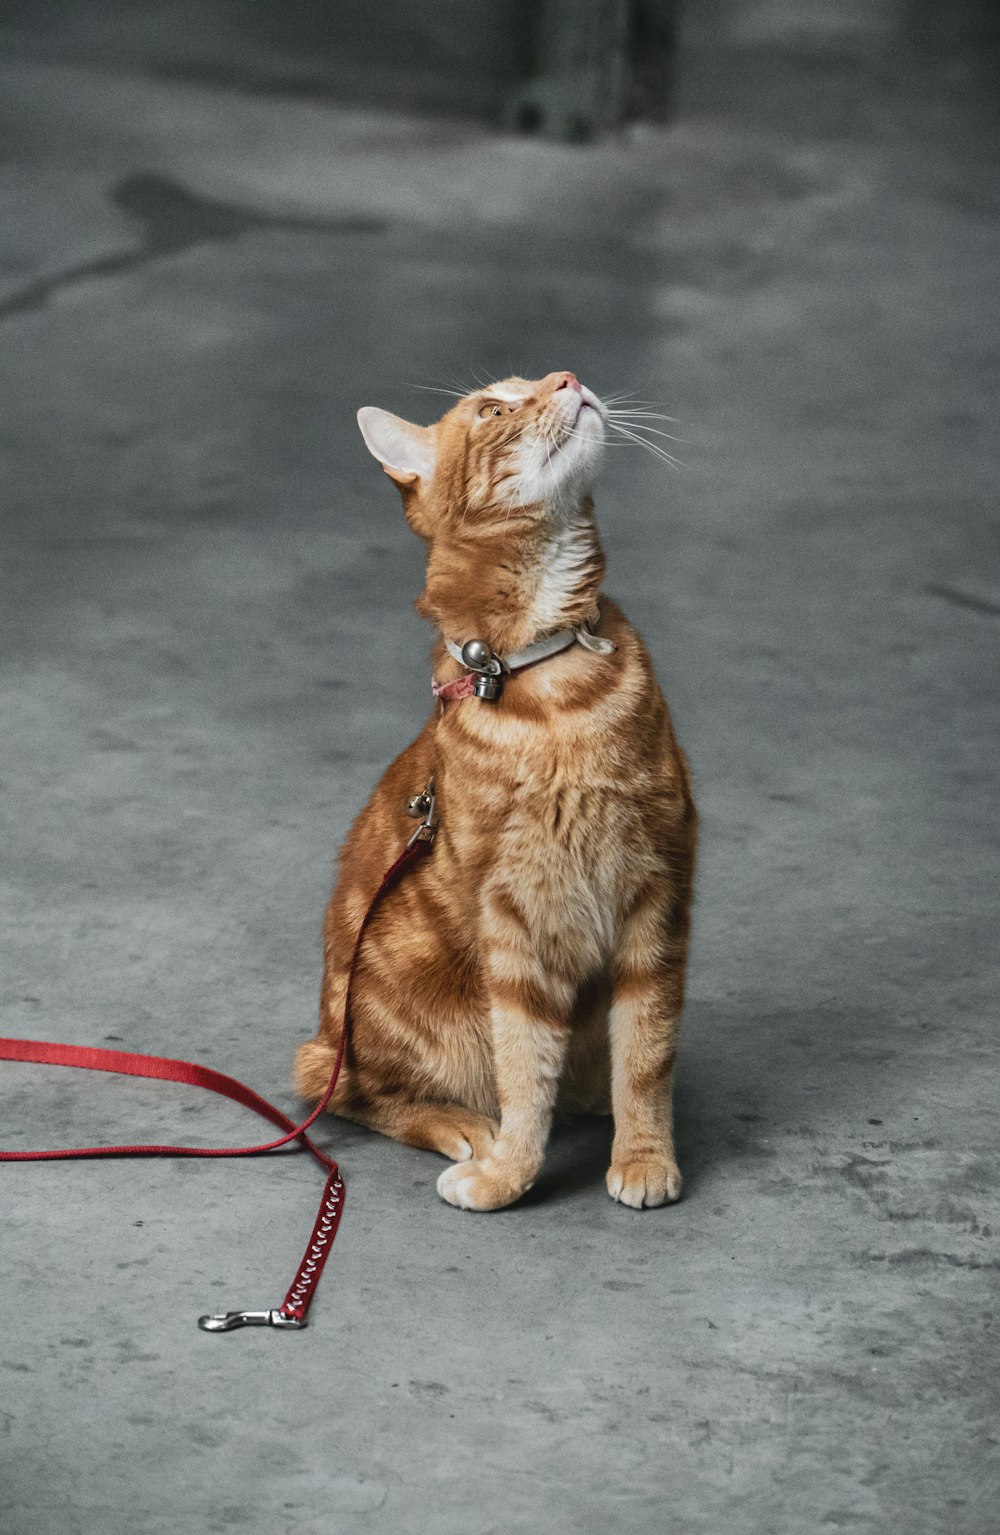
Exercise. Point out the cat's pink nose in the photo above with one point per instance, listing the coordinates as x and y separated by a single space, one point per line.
566 381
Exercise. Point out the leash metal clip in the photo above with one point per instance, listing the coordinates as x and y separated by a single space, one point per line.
227 1320
423 804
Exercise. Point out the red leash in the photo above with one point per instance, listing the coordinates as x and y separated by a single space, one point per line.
294 1308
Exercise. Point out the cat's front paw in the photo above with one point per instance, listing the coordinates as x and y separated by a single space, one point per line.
645 1181
485 1185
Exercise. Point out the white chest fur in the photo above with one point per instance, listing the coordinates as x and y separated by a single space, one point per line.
568 558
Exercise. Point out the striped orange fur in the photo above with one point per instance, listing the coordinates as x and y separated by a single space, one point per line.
536 959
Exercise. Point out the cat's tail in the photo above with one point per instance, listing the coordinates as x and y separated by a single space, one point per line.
313 1065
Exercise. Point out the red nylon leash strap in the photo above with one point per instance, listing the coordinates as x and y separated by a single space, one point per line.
294 1309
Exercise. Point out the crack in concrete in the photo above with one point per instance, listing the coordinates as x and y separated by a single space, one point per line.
175 220
911 1255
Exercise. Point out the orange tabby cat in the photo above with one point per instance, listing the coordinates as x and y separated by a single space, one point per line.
536 957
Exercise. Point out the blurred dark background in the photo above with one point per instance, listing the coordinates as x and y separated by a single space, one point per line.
566 67
225 226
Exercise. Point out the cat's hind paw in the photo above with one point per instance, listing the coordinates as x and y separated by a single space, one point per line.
479 1186
459 1134
645 1182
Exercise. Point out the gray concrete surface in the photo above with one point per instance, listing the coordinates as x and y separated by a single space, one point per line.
208 655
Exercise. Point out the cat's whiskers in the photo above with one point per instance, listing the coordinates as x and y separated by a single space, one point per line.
643 442
632 411
633 439
630 400
455 394
641 426
632 419
641 415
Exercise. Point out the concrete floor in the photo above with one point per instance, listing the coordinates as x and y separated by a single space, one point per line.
208 655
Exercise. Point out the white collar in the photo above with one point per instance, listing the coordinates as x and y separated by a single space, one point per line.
548 645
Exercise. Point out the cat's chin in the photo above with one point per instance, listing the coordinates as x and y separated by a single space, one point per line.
558 477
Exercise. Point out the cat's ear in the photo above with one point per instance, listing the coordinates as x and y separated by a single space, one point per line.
406 452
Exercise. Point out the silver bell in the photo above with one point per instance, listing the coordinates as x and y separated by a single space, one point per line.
419 805
477 655
487 686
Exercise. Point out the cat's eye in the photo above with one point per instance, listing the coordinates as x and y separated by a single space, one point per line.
491 408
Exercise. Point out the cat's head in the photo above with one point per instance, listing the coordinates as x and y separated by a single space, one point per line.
519 445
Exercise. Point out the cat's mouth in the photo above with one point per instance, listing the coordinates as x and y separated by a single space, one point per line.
589 401
587 405
570 430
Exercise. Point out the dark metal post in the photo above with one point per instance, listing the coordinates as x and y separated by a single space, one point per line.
593 63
